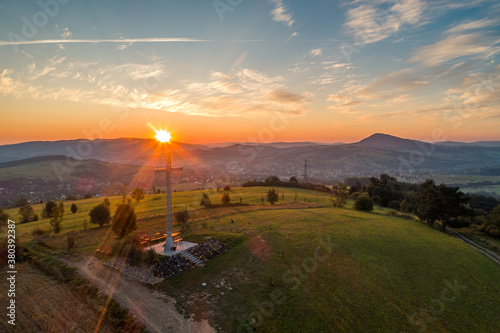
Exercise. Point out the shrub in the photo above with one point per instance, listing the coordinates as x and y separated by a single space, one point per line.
364 202
205 200
74 208
100 215
124 220
272 196
135 256
226 199
227 188
38 232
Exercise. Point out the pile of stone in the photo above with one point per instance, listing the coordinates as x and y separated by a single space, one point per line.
180 263
208 250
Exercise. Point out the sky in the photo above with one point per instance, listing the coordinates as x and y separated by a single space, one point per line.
241 70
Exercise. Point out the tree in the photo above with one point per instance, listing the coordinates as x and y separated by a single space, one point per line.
26 213
182 218
271 180
272 196
100 215
47 209
495 217
138 194
4 217
61 207
226 199
451 202
106 202
340 195
21 202
293 180
428 202
403 206
227 188
364 202
87 196
74 208
71 197
124 191
124 220
205 200
56 220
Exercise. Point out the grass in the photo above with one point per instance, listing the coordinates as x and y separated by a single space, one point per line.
380 272
43 305
154 205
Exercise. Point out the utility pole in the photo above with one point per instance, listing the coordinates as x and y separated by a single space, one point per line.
305 171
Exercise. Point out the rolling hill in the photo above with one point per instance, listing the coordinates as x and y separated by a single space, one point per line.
376 154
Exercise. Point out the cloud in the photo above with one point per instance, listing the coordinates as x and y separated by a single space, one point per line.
295 34
96 41
65 33
393 85
346 104
370 23
455 46
142 71
280 14
283 96
472 25
315 52
245 93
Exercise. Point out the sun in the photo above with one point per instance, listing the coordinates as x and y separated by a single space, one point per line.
163 136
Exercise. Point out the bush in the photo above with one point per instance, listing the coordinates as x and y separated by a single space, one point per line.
74 208
151 257
124 220
4 217
135 256
227 188
100 215
364 203
38 232
272 196
226 199
205 200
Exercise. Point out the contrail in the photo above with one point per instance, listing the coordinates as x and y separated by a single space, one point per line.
127 40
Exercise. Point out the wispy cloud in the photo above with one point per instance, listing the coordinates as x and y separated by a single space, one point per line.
455 46
370 23
473 25
315 52
280 13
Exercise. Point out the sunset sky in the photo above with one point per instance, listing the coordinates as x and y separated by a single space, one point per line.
241 70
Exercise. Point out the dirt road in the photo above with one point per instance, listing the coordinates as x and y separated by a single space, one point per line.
490 254
155 310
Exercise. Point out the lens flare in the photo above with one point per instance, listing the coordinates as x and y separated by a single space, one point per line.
163 136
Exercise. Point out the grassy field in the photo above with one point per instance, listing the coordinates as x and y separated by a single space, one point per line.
302 266
154 205
63 309
383 274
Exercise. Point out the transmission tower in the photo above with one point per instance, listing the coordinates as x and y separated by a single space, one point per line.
305 171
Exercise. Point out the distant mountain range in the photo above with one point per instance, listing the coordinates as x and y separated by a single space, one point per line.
373 155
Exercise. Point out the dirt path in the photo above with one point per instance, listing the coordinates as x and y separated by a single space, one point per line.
490 254
155 310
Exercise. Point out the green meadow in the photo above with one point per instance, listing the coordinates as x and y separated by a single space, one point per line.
304 266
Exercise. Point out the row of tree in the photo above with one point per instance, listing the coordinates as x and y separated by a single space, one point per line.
430 202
